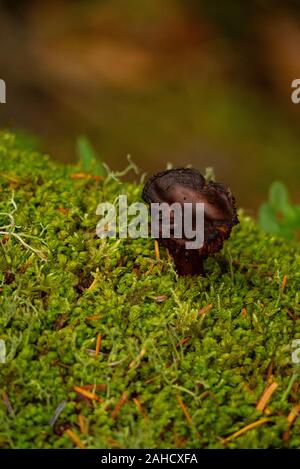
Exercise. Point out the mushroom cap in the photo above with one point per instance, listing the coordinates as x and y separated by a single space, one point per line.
187 185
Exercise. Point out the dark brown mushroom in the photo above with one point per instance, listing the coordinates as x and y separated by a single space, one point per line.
186 185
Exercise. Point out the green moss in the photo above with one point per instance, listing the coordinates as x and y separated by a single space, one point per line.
50 318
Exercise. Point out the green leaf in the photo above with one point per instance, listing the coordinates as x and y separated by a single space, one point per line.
279 198
293 219
287 229
87 157
85 151
297 213
267 219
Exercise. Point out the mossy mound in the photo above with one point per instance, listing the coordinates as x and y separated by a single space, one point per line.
166 375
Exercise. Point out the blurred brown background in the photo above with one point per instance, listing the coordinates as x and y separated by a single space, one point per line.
201 82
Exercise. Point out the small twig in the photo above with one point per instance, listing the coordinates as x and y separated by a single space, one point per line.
160 298
75 439
182 341
283 285
57 412
88 394
266 396
117 362
85 176
184 409
8 404
98 344
140 407
119 404
156 250
94 387
245 429
205 310
293 414
137 358
82 424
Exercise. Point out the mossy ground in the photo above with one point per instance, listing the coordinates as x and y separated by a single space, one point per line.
156 347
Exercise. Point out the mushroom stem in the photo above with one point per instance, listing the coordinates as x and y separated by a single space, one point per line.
188 262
